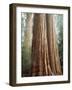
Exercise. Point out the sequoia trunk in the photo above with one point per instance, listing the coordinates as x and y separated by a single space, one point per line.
40 55
52 46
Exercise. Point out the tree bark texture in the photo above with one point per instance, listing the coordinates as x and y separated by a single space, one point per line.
40 55
45 55
52 45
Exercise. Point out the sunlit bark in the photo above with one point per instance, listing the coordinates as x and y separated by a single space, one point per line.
52 45
40 55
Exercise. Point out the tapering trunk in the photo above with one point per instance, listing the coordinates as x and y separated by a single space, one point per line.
52 45
40 55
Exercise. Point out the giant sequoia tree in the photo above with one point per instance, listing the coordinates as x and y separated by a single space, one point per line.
45 57
40 54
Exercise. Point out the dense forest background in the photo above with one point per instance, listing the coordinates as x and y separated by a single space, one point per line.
27 37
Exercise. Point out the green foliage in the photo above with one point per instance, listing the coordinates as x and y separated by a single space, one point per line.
26 56
59 29
25 46
26 60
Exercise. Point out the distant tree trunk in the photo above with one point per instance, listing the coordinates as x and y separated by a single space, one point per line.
40 55
52 46
27 44
28 31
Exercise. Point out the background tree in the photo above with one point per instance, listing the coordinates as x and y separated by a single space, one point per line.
26 45
59 30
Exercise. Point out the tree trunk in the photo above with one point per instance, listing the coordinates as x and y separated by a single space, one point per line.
40 55
52 46
27 45
28 31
